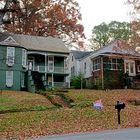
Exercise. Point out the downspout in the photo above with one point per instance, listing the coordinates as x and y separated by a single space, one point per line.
102 72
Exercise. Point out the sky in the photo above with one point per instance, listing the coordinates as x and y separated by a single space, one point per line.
94 12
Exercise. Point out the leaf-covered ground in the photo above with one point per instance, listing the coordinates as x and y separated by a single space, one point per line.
13 100
81 118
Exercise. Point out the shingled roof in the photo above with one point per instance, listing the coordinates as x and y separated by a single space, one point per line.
36 43
79 54
115 47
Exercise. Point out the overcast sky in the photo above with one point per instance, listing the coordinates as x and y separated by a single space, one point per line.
94 12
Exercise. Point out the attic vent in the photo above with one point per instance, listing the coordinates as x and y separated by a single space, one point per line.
10 40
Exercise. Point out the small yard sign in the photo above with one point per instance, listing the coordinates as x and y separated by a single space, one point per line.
98 104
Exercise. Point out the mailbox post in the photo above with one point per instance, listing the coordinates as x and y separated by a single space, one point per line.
119 106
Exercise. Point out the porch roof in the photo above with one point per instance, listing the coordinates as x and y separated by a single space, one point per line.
37 43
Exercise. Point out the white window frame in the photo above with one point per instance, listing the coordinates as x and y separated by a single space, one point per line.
50 63
31 63
9 78
129 62
10 56
66 63
24 58
114 63
96 66
22 80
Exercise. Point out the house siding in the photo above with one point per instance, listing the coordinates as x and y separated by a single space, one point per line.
17 62
113 79
14 73
16 81
106 66
16 68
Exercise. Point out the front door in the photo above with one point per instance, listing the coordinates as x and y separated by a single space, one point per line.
31 63
129 66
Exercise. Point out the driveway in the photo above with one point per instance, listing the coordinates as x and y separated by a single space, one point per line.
119 134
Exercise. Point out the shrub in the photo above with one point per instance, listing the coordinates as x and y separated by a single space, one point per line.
78 81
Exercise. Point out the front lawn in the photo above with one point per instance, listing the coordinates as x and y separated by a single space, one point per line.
17 100
82 117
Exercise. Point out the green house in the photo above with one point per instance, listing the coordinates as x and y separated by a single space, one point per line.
32 63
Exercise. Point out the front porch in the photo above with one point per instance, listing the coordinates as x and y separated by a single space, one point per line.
109 69
48 70
48 63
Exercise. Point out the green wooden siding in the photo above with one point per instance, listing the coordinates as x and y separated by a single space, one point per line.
2 79
18 59
16 81
16 68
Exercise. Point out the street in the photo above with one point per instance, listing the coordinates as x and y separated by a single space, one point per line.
119 134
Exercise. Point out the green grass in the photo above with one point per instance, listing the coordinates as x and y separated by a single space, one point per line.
23 101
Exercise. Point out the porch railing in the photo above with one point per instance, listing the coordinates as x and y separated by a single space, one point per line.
44 69
59 84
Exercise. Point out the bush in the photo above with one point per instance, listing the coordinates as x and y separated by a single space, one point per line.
77 80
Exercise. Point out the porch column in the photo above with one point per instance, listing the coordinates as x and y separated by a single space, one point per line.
52 81
102 72
45 66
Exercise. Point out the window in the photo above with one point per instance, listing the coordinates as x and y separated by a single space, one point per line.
24 58
85 67
50 58
129 66
22 80
72 70
126 67
50 66
10 56
66 63
50 63
96 64
114 64
9 78
31 63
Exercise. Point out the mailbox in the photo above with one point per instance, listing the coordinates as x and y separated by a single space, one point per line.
119 105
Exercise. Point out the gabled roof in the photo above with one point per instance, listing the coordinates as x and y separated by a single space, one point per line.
79 54
36 43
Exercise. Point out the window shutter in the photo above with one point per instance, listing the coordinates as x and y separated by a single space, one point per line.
9 78
10 56
24 58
